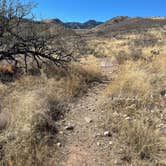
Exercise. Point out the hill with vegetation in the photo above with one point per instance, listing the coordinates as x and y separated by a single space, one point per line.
104 106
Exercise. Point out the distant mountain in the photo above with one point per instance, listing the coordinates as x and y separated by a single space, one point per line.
86 25
126 24
74 25
114 25
123 24
53 21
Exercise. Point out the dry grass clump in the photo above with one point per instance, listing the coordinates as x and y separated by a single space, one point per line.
67 82
31 134
137 135
140 79
83 75
132 80
158 64
137 140
129 46
142 139
136 112
108 47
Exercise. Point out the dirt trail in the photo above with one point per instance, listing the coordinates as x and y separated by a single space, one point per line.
86 144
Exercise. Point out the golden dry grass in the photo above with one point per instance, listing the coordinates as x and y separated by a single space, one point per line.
132 80
139 140
136 109
82 75
136 106
129 46
34 105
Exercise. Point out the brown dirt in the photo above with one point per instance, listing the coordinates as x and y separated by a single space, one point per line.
86 145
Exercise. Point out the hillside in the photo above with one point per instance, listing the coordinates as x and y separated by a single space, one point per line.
74 25
86 25
65 36
123 25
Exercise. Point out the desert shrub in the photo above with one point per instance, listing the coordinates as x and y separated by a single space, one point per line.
121 57
44 124
77 77
136 54
142 138
158 74
25 40
81 77
132 55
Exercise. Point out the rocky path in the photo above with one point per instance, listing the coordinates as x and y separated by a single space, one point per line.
86 143
83 143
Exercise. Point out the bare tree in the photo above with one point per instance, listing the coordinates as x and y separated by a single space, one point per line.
23 39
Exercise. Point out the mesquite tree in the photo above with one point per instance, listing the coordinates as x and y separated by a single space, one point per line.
23 40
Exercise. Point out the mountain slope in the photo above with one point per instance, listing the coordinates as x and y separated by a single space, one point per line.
86 25
74 25
66 37
123 25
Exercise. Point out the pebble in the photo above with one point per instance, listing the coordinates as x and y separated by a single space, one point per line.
161 125
128 118
107 134
98 143
61 132
118 162
88 120
125 116
69 127
59 144
110 142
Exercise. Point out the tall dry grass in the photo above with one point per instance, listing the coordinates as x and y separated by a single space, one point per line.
33 107
136 112
132 80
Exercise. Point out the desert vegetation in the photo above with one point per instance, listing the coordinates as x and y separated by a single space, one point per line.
81 97
137 111
34 100
31 108
135 98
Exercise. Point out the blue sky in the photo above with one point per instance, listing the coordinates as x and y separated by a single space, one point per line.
101 10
